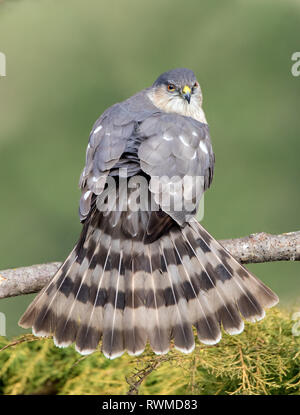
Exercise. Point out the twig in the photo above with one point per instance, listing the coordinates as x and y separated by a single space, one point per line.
27 338
259 247
137 378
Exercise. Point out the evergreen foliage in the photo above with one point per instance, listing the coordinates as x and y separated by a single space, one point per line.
264 359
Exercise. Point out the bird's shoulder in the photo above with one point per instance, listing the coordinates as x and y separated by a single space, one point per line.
134 109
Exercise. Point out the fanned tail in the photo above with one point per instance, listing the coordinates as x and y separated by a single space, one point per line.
125 288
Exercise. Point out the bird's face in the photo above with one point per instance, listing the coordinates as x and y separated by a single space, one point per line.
181 91
178 91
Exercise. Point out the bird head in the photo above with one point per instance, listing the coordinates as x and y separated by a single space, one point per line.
178 91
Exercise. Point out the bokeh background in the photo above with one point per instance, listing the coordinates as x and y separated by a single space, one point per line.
67 61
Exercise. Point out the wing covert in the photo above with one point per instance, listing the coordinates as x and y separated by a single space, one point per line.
107 143
178 157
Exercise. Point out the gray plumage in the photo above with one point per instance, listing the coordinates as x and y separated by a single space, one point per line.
147 275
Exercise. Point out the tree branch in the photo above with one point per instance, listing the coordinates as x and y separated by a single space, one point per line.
264 247
259 247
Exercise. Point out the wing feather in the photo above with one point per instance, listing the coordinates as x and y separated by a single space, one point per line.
177 154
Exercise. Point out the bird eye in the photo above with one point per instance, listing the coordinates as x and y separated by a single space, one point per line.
195 86
171 87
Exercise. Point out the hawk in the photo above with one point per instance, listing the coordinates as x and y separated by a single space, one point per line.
147 272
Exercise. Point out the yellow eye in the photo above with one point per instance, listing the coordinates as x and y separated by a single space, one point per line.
171 87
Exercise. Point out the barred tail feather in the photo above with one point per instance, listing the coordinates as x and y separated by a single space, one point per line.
157 316
120 288
135 336
180 324
200 311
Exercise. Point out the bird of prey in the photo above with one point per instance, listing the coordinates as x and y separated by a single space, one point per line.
147 271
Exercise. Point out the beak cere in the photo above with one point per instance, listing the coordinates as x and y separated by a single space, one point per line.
186 93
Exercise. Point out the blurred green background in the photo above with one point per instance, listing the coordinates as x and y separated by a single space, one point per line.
69 60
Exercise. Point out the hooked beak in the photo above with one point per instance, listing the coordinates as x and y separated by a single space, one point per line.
187 93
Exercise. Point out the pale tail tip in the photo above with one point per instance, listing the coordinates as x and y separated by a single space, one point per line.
274 302
236 330
40 333
112 355
184 350
61 344
161 352
211 342
22 323
255 319
84 352
137 353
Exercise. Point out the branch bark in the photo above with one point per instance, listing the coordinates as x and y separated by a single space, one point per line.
255 248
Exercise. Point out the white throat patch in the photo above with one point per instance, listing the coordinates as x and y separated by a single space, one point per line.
177 105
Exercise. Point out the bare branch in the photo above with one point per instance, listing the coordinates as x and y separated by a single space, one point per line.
26 280
264 247
259 247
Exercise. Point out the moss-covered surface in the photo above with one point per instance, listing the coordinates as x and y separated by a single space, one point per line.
264 359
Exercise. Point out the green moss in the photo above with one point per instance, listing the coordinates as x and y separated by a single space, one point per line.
264 359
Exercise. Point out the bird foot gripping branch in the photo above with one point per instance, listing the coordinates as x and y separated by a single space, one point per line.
144 270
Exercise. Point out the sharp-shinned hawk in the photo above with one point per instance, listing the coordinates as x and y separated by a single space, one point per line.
148 273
